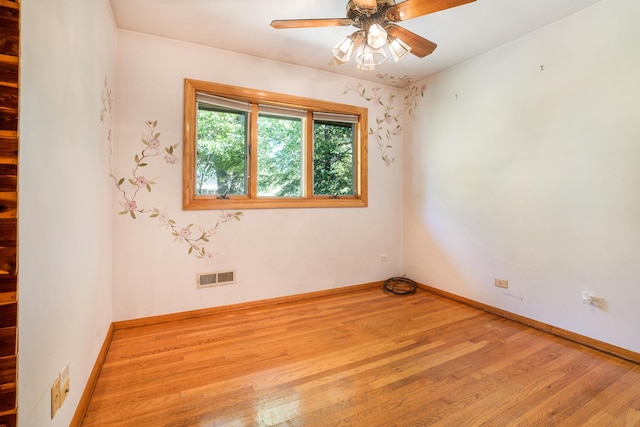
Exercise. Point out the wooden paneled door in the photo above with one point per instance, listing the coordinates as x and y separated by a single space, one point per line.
9 61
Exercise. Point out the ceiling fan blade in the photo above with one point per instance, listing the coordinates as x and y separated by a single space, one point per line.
310 23
420 46
413 8
366 5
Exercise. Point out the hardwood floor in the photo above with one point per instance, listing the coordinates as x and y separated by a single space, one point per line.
364 358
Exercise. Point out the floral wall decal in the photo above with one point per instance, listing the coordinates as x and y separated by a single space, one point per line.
388 125
411 92
105 116
403 81
195 237
196 241
151 141
107 101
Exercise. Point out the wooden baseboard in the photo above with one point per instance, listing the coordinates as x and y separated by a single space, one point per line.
83 405
563 333
124 324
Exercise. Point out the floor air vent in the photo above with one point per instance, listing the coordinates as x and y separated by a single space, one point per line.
207 280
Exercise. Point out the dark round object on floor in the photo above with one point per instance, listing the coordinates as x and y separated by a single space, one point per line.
400 286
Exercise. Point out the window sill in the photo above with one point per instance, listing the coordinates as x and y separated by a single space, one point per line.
213 203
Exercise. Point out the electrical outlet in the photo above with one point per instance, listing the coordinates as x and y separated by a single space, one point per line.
501 283
383 257
65 383
55 397
587 298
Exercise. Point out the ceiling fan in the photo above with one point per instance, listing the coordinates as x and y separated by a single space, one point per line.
376 22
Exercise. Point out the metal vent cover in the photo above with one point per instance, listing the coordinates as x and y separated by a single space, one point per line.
216 278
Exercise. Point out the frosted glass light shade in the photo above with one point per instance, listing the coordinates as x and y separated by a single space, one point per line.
399 49
368 58
342 51
376 36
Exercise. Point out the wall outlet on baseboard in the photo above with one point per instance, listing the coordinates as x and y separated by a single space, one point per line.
501 283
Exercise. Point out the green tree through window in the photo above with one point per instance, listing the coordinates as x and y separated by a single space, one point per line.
221 152
255 149
333 166
279 156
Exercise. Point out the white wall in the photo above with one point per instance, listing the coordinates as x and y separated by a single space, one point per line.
68 48
531 175
274 252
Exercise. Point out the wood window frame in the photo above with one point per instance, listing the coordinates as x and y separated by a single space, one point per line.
192 201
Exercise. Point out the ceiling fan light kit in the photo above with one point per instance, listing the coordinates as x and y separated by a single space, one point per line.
376 20
368 58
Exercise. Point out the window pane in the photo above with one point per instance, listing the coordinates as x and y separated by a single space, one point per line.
221 165
333 167
279 156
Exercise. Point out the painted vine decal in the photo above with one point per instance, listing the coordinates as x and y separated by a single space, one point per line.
105 112
196 237
185 234
388 125
151 142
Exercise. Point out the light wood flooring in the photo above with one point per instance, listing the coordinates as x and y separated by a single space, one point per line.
364 358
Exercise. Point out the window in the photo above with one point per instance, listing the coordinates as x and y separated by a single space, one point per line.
254 149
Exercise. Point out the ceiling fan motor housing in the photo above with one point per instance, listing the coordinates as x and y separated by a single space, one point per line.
365 18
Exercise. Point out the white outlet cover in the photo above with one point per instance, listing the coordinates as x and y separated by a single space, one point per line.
64 374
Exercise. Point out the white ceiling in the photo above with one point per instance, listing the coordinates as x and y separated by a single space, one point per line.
243 26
